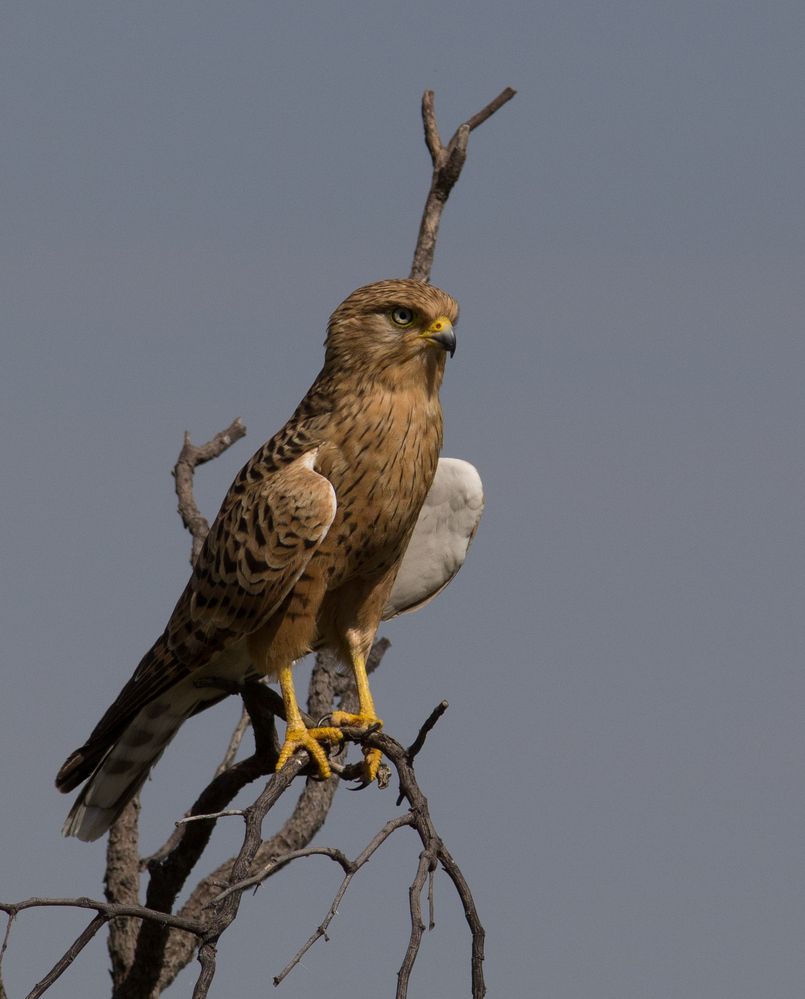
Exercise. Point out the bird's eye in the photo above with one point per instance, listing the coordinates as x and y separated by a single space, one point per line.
402 317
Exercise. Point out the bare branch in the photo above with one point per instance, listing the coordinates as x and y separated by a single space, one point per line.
67 959
225 814
425 865
432 138
448 162
306 820
277 865
432 842
170 867
224 912
351 868
427 725
6 936
234 742
11 912
252 866
491 108
122 886
433 851
105 912
309 814
189 458
107 909
453 871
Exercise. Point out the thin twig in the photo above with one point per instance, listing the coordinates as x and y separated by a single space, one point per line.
67 959
107 909
433 851
417 926
189 458
234 742
321 930
225 911
477 931
502 98
432 138
226 813
427 726
7 934
431 840
276 865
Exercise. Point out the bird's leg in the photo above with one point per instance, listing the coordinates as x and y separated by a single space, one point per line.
366 716
297 736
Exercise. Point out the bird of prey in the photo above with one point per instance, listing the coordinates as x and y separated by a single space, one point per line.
305 549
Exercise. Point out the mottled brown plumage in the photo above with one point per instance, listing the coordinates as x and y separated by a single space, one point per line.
304 550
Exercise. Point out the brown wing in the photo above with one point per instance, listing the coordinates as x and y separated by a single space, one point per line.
256 550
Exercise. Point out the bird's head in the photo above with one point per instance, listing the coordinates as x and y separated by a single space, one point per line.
393 330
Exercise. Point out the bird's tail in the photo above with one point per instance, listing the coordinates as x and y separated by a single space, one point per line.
121 772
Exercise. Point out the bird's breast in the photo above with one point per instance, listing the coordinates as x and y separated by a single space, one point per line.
381 463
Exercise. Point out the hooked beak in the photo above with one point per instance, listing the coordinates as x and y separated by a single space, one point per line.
441 332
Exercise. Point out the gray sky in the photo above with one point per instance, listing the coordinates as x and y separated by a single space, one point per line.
188 190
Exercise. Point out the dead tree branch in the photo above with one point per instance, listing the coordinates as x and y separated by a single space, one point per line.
122 887
434 847
448 162
351 867
106 912
211 911
190 457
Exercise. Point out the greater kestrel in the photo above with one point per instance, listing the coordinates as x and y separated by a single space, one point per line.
304 551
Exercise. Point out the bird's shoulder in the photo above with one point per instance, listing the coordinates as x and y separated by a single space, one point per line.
299 436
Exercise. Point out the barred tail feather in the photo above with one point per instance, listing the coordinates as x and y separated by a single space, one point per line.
124 769
89 822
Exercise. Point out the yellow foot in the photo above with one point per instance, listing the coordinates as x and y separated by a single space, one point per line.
371 757
309 739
